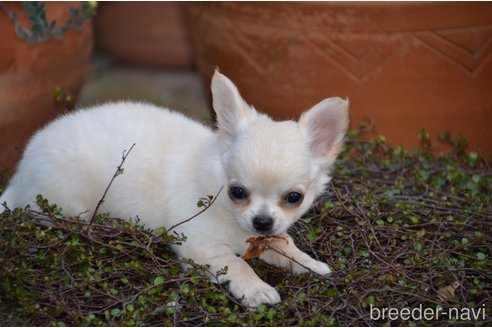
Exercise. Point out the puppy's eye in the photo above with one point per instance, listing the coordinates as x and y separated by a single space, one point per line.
237 193
293 198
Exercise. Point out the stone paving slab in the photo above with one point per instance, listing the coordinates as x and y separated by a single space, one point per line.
180 90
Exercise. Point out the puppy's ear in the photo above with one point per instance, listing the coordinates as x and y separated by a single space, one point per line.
324 126
232 112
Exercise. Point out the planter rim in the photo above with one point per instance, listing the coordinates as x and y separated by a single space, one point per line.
360 16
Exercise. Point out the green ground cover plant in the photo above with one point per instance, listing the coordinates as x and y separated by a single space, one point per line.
399 229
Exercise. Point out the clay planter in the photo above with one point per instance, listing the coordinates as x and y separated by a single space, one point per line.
143 33
406 65
29 75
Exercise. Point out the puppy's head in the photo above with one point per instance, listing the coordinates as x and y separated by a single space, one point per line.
275 170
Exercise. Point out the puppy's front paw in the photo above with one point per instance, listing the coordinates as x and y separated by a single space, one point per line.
264 294
313 265
320 268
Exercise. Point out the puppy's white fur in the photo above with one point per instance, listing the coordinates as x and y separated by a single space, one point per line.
176 161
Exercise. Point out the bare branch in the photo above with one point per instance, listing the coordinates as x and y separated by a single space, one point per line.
119 170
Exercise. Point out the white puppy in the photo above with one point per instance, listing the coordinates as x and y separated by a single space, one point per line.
271 173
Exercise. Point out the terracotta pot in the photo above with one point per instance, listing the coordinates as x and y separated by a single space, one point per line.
144 33
406 65
29 75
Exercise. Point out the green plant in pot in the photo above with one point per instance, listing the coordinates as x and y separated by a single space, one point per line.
45 47
42 29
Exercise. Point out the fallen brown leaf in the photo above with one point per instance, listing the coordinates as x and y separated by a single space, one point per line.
259 244
447 293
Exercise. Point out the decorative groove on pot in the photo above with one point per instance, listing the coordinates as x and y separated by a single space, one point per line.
406 65
455 46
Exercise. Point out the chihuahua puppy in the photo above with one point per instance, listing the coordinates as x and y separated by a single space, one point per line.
271 173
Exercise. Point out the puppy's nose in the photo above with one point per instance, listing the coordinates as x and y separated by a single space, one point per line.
262 223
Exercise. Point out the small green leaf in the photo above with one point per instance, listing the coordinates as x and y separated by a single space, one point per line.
185 288
271 313
158 280
115 312
424 135
313 233
332 292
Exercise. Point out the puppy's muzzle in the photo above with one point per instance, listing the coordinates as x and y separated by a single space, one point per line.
262 223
